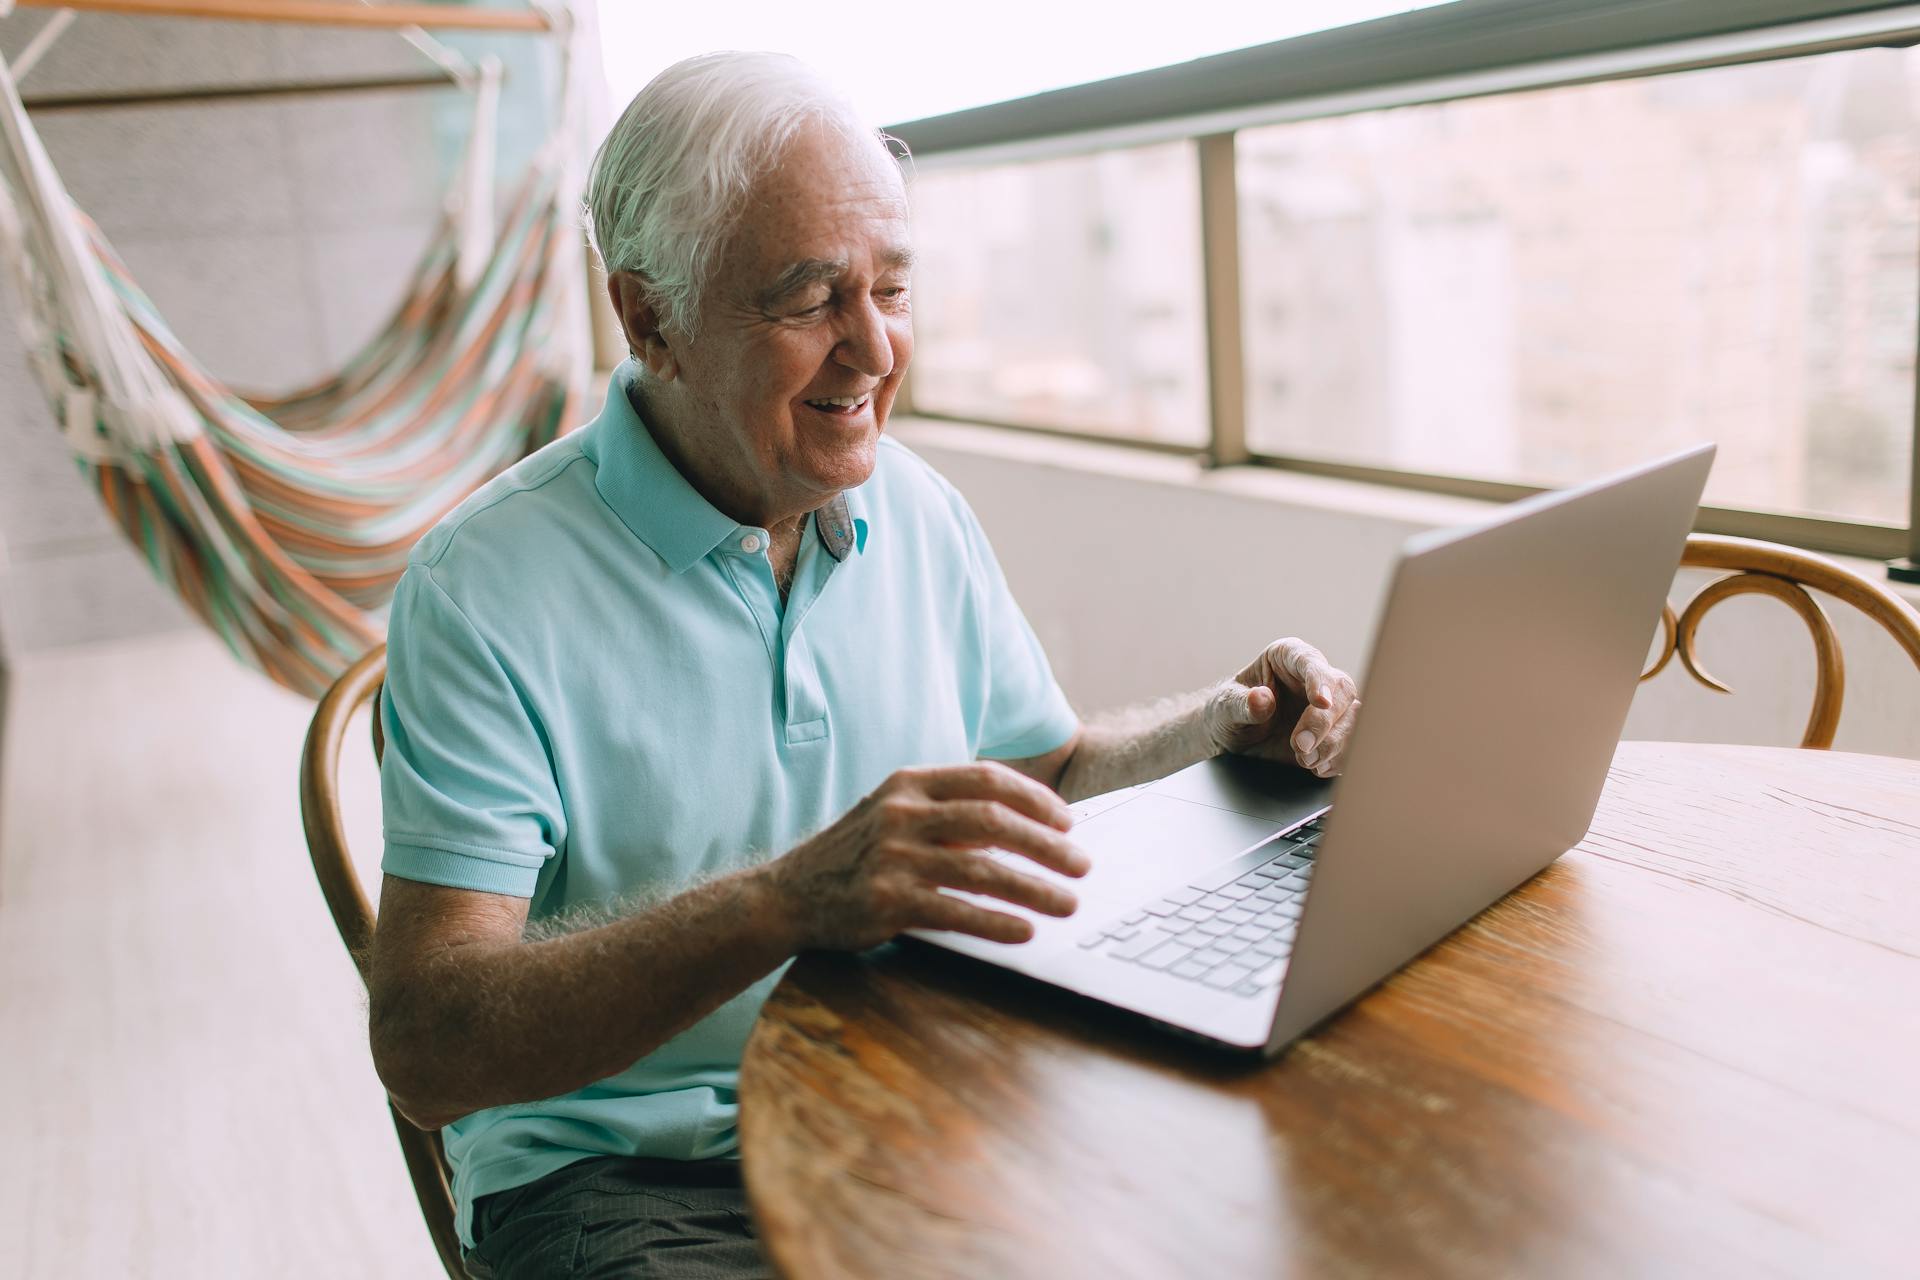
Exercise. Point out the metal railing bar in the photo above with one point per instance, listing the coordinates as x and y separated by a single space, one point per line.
1842 537
1905 566
1090 436
1220 276
1910 570
224 93
1836 537
325 13
1896 27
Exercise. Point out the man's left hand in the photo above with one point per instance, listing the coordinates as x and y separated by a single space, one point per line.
1288 704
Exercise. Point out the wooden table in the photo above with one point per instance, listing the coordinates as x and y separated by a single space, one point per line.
1690 1047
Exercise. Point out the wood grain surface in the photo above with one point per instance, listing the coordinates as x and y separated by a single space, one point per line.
1689 1047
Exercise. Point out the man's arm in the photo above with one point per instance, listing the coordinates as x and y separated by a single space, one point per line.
1287 704
468 1013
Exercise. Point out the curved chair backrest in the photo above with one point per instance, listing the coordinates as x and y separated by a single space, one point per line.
1785 573
353 915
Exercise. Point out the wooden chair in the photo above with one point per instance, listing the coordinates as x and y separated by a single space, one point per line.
1785 573
353 915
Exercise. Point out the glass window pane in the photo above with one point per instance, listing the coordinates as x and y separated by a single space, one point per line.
1064 293
1539 286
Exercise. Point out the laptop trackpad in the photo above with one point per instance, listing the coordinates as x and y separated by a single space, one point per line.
1246 784
1139 849
1157 837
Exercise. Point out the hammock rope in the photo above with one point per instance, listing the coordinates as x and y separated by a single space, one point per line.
284 523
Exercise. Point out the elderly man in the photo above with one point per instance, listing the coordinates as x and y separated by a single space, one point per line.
722 677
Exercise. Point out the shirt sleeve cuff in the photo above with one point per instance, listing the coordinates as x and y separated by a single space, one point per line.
1054 730
512 874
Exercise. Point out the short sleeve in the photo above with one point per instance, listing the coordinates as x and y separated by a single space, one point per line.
1022 711
466 785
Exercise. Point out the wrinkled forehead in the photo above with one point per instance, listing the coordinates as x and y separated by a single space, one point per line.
830 198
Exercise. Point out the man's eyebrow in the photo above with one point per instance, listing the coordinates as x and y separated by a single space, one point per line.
801 275
811 271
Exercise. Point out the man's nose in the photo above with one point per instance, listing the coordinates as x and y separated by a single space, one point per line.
864 346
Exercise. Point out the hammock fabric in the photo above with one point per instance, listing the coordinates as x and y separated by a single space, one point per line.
284 524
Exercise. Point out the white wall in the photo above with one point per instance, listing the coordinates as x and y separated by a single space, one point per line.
1143 574
274 234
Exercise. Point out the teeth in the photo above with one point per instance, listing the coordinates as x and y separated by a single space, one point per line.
841 402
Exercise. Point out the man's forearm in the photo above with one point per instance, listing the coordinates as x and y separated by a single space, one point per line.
1141 744
487 1023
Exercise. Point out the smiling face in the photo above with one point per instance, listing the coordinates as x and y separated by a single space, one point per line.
803 335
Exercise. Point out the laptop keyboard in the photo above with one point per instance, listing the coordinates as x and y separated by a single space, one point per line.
1231 932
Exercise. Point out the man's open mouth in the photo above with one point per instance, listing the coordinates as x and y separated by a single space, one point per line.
846 406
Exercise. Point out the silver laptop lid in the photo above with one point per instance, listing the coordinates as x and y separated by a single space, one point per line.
1501 676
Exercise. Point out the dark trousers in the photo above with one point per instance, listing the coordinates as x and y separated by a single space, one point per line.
614 1216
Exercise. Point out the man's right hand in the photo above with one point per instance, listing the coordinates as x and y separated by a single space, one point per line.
879 870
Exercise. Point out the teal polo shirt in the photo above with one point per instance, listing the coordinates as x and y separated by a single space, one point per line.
595 693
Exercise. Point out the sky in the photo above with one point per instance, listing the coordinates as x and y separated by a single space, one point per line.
905 60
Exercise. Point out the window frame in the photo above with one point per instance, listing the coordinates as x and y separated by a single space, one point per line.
1466 49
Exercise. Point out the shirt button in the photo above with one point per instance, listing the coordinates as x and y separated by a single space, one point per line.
750 544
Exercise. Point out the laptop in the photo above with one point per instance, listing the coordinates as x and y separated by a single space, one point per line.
1243 902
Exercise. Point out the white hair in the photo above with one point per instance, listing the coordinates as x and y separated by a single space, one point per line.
672 177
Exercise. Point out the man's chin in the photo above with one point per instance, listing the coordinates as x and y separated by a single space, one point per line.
845 465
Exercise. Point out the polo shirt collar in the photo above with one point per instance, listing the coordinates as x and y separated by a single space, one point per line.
650 495
851 505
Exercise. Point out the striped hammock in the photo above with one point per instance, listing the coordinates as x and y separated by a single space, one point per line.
284 523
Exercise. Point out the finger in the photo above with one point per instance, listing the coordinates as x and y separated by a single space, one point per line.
1319 679
991 780
1331 757
1252 705
977 873
982 824
934 910
1345 696
1325 689
1244 706
1285 664
1299 668
1309 734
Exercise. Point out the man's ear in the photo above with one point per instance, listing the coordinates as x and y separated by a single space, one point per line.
640 322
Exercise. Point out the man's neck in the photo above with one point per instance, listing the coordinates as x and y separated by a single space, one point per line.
710 478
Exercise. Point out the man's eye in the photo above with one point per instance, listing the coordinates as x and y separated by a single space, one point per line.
807 313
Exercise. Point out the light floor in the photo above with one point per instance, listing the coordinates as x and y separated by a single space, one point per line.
185 1088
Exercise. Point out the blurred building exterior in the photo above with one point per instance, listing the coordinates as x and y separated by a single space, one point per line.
1530 287
1064 293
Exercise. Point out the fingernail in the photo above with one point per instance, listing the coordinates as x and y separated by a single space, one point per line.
1326 698
1303 740
1309 758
